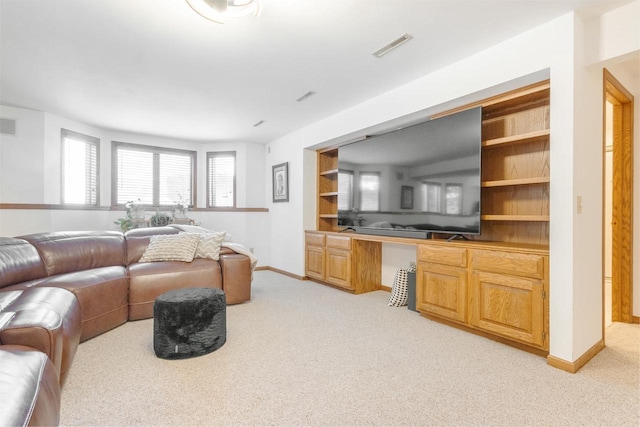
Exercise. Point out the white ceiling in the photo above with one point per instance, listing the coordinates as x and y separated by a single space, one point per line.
156 67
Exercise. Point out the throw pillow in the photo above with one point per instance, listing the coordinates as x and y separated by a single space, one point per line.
399 290
171 247
209 244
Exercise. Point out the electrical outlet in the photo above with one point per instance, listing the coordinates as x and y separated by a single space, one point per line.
251 250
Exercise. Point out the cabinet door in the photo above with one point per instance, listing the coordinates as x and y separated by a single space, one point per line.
314 262
338 268
442 290
509 306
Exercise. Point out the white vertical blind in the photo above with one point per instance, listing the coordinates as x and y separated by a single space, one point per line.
175 178
79 168
431 196
369 191
153 175
453 195
221 177
135 176
345 190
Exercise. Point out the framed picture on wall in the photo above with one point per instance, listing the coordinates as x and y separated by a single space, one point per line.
406 197
281 182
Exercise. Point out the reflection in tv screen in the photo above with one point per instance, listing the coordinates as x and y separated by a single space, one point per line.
413 181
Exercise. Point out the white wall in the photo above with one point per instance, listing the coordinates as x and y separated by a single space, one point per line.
560 47
21 179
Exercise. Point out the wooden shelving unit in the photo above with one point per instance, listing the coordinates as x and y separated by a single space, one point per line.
327 190
515 169
515 166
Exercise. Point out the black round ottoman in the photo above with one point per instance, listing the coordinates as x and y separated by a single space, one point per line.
189 322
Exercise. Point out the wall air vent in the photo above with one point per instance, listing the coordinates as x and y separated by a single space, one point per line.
8 126
394 44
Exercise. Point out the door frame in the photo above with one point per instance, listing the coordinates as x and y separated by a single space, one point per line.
622 194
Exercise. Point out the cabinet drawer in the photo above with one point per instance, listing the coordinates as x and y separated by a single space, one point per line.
517 264
339 242
315 239
456 257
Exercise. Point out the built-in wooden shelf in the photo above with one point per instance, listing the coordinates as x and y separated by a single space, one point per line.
519 181
530 218
517 139
329 172
515 168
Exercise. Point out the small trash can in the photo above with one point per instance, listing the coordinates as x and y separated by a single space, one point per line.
411 290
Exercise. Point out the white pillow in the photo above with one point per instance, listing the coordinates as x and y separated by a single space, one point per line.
209 244
171 247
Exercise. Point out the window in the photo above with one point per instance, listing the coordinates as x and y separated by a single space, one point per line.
79 168
431 193
453 195
345 190
154 175
369 191
221 179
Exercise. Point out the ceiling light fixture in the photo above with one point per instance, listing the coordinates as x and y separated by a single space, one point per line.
220 11
394 44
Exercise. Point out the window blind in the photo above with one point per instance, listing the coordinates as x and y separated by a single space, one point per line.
431 195
369 191
153 176
345 190
221 179
79 168
453 196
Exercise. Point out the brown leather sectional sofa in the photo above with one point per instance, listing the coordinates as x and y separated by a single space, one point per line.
61 288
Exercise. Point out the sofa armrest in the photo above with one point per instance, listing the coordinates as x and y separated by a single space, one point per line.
29 389
236 277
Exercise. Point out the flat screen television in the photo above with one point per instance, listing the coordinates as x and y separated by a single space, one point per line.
414 181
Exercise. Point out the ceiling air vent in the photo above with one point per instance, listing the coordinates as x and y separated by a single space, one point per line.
305 96
394 44
7 126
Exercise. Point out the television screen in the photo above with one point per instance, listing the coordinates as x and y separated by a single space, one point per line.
414 181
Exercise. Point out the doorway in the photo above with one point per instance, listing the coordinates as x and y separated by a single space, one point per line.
618 207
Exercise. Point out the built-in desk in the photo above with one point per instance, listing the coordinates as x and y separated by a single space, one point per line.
496 288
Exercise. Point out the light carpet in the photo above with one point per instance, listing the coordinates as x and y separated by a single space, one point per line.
301 353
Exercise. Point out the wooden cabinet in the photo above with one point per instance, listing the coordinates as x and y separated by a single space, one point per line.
338 261
314 255
497 283
441 283
497 288
328 259
342 261
508 295
497 291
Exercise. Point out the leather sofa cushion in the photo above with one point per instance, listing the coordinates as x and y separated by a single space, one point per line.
19 261
147 281
29 389
102 294
64 252
47 319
